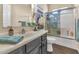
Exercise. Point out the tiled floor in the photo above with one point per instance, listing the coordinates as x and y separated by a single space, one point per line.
58 49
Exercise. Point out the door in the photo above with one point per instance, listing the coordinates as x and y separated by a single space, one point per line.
67 23
53 23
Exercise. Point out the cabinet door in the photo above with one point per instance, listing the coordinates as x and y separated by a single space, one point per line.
44 44
33 44
44 47
37 50
20 50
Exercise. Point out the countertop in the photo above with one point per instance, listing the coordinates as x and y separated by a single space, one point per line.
73 44
29 36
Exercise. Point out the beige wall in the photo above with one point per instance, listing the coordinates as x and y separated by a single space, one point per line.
1 16
56 6
20 12
44 7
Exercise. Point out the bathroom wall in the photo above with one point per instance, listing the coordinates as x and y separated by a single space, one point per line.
44 7
1 16
21 12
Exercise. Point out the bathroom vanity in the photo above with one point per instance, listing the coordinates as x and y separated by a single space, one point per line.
33 43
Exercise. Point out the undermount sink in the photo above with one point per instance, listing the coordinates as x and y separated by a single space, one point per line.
28 33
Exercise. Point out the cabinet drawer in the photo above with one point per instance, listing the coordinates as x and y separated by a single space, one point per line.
33 44
44 48
44 37
36 50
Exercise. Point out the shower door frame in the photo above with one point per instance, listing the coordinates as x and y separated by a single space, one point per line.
74 20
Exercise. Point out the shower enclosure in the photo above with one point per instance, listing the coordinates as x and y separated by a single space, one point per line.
63 23
53 23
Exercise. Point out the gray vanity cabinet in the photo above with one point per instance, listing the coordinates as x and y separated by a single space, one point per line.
36 46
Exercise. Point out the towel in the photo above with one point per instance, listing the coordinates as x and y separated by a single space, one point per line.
10 39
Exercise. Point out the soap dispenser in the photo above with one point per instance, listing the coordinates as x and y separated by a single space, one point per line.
11 31
35 28
23 31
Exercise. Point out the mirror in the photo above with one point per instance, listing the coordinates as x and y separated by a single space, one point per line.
1 16
14 13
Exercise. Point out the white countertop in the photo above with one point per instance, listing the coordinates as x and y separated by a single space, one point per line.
64 42
6 48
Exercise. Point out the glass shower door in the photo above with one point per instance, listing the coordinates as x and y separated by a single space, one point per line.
61 23
67 23
53 23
